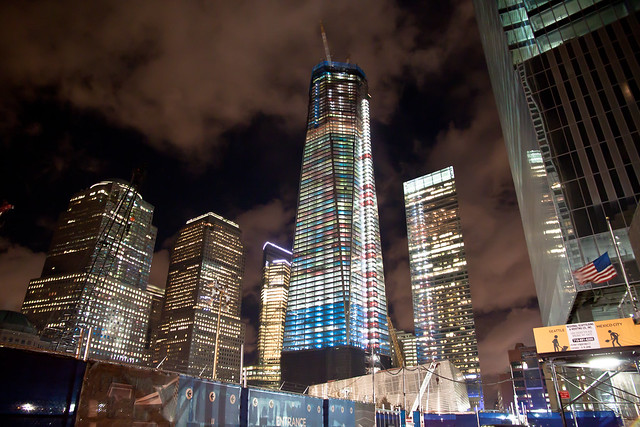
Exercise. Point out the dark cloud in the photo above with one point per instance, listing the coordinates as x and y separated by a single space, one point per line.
159 268
183 74
501 338
270 222
18 265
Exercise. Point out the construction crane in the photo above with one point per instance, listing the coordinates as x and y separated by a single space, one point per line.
5 207
399 357
326 44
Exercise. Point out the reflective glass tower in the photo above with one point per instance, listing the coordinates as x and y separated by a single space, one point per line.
202 300
337 304
442 309
274 296
565 77
95 276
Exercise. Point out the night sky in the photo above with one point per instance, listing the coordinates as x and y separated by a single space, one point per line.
210 99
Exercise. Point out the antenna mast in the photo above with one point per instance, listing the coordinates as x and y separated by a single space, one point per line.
326 44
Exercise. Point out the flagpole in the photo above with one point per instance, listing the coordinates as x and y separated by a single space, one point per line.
624 273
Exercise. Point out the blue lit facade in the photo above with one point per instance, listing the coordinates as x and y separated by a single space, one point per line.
337 292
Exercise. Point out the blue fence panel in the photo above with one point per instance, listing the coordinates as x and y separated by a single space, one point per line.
494 419
205 403
598 419
447 420
585 419
338 412
388 419
272 408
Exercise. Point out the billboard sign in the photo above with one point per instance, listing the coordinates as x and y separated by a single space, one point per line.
587 336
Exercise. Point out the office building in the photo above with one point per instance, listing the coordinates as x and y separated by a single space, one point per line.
202 301
155 317
565 79
337 308
274 294
408 347
442 309
93 284
528 386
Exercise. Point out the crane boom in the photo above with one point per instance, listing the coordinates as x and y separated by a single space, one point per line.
326 44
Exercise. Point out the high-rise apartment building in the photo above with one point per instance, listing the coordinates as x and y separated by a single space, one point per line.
565 77
94 279
274 295
337 304
202 301
442 309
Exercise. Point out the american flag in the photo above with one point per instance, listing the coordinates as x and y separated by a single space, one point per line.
599 271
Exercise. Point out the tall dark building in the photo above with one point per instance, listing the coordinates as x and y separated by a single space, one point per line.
204 285
337 310
565 77
95 276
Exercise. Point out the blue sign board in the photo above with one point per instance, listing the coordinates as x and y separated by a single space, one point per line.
205 403
339 413
272 408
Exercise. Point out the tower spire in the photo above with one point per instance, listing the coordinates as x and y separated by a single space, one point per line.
325 43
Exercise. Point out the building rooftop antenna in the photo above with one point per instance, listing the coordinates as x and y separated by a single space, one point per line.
326 44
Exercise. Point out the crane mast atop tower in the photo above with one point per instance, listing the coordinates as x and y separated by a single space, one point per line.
326 44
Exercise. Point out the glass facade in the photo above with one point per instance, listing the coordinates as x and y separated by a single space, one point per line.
337 293
407 344
565 78
274 295
95 275
206 270
529 385
442 309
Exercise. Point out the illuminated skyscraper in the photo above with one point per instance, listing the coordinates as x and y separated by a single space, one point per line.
337 304
276 272
407 344
204 285
442 309
95 275
565 75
